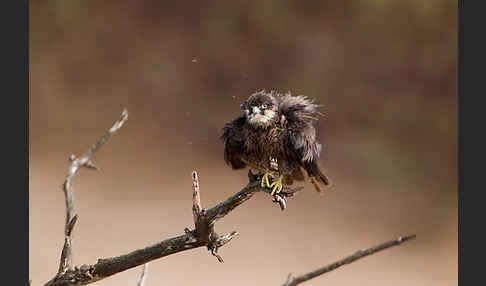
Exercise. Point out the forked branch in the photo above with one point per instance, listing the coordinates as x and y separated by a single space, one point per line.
202 235
71 217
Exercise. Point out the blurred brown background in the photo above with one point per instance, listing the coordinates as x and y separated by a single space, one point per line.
385 71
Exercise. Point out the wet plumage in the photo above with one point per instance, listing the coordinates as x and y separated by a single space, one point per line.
275 135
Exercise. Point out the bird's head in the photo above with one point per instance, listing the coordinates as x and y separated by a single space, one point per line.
261 109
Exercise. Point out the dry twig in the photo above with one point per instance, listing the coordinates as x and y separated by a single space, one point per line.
292 281
143 275
66 262
71 217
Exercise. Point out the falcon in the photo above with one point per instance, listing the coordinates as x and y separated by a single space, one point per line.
275 136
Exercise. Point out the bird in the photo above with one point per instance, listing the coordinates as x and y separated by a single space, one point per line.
275 136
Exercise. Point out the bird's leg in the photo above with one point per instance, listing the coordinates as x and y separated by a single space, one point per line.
265 182
277 185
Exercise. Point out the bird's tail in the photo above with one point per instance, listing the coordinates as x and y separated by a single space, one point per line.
316 175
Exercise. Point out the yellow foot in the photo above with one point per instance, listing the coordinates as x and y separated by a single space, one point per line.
277 186
265 182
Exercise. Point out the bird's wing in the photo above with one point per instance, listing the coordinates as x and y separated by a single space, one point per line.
299 113
234 145
301 143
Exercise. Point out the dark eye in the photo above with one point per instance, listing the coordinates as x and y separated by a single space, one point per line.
263 106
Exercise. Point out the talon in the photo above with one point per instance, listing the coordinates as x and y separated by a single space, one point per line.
265 182
276 186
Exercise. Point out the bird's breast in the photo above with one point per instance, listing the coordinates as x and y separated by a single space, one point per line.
267 142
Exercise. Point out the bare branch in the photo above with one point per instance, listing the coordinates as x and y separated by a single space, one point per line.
202 235
225 207
292 281
219 241
143 275
76 163
196 197
66 254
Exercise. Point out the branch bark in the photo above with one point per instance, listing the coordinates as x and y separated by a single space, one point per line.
292 281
